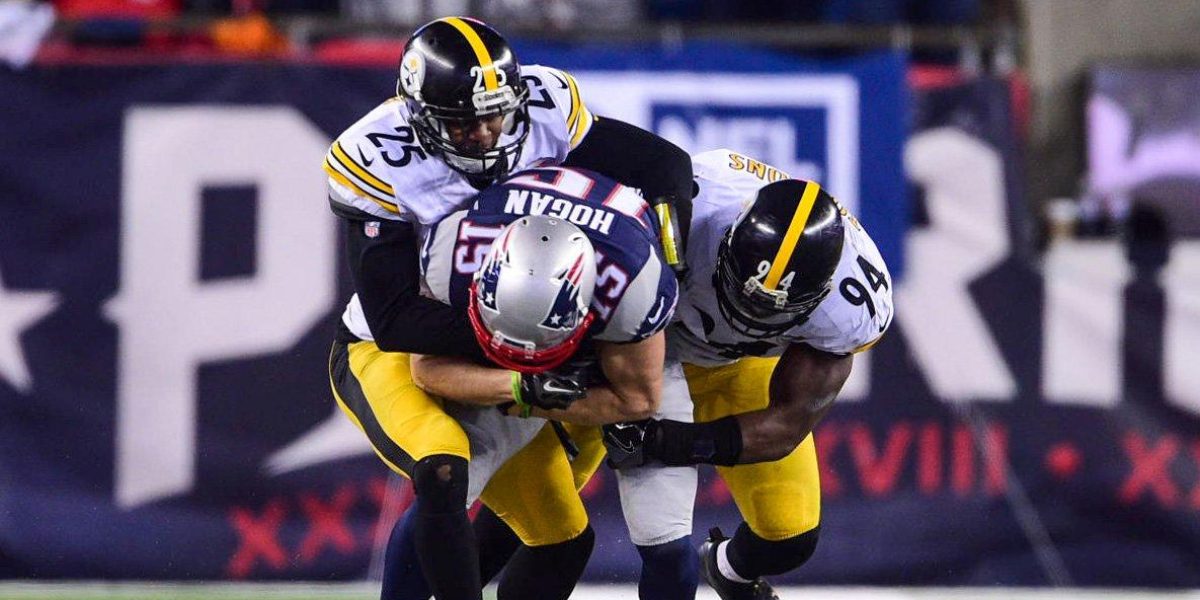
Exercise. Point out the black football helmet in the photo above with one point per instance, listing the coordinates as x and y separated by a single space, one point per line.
454 72
777 261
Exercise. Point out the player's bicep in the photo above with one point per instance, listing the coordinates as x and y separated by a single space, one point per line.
806 381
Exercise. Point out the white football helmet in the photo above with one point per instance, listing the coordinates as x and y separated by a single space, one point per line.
529 301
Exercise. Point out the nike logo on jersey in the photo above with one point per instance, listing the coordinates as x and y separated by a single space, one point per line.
366 162
653 318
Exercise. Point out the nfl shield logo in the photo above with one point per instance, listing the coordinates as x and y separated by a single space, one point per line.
371 229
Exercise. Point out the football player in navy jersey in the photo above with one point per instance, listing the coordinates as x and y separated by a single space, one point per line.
465 114
784 287
529 322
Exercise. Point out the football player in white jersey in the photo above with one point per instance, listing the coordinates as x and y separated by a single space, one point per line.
784 287
465 114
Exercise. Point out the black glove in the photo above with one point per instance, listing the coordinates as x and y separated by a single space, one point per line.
627 442
549 390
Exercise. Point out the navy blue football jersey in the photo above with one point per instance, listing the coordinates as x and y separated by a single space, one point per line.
635 293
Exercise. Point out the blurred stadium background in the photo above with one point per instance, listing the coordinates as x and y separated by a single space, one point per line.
170 276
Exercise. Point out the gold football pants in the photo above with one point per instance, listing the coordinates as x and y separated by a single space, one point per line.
779 499
536 498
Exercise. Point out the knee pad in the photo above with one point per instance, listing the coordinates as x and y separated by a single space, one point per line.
752 556
441 483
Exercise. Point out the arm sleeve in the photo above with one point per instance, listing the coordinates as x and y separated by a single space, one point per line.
386 273
640 159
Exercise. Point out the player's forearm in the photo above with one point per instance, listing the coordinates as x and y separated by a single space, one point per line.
461 380
635 375
803 386
600 407
637 158
386 274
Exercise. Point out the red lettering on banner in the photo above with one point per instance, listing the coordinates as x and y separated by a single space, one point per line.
1196 487
878 474
827 437
377 489
258 538
594 485
962 467
995 460
1150 470
714 493
391 496
327 523
929 458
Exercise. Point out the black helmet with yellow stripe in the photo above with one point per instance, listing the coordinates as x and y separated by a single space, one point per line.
777 261
458 75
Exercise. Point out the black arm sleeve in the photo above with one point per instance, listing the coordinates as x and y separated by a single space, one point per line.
639 159
386 272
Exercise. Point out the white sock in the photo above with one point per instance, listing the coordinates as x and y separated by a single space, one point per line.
723 565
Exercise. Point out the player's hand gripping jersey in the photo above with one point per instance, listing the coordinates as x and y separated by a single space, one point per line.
635 293
379 171
852 317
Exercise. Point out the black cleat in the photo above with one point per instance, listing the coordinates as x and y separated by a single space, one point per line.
726 588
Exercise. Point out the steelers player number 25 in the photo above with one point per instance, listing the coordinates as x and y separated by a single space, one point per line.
408 147
856 293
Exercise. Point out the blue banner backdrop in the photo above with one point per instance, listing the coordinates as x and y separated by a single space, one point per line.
170 276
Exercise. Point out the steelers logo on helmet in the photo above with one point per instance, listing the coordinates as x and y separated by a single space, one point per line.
466 80
412 74
530 302
776 263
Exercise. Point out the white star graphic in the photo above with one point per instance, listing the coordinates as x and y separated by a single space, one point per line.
19 311
555 319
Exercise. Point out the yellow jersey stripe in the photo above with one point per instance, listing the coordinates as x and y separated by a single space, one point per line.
866 346
799 221
576 102
342 179
481 51
358 170
585 126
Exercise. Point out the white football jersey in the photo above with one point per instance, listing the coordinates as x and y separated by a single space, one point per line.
378 167
852 317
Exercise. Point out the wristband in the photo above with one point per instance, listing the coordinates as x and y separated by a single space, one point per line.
680 444
516 393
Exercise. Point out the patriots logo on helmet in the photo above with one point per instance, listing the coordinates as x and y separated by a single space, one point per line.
489 274
565 312
489 280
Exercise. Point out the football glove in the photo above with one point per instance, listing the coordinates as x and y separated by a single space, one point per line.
626 442
548 390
